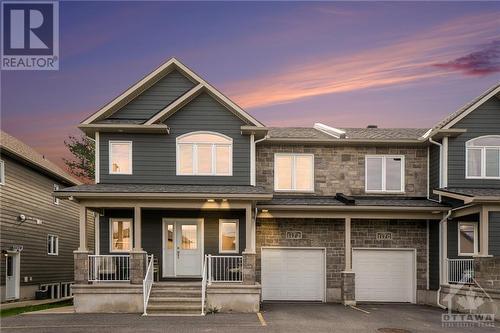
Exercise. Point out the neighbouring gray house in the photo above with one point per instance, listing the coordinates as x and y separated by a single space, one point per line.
38 232
201 206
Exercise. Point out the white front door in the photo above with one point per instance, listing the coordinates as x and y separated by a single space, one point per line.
384 275
293 274
182 247
12 279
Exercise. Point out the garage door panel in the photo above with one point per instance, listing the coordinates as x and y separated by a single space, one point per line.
384 275
292 274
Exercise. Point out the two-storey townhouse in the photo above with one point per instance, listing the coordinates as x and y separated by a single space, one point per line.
202 206
38 232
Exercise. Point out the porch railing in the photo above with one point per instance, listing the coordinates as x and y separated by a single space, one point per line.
461 271
204 285
147 283
225 269
109 268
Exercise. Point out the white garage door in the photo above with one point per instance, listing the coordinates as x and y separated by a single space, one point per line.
290 274
384 275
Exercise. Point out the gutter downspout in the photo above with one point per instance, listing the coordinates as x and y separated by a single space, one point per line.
440 167
253 154
441 245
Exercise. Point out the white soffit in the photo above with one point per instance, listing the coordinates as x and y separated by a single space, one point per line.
332 131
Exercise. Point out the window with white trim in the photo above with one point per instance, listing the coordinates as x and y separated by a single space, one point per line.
120 157
228 236
482 158
294 172
56 200
120 234
204 154
384 173
52 245
2 172
467 238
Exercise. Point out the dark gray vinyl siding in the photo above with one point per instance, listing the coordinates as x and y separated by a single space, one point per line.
494 233
434 255
154 99
433 170
28 192
485 120
152 228
154 160
453 240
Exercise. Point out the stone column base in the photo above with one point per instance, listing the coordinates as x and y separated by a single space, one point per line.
347 288
137 266
249 260
81 259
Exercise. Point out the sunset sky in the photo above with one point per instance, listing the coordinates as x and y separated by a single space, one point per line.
346 64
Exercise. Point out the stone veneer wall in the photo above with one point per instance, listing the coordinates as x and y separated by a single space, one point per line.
329 233
406 234
342 168
487 272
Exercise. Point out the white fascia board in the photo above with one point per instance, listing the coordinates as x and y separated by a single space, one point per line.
332 131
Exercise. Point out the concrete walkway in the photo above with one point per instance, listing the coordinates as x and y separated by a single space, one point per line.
62 310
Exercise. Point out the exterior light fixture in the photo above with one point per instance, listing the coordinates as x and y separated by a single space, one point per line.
265 211
210 200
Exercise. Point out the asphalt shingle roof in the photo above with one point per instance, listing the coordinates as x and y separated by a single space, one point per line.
163 188
473 192
351 133
22 151
359 201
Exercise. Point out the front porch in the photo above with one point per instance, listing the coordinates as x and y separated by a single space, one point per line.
208 244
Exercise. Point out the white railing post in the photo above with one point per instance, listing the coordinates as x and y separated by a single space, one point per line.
209 269
147 284
460 271
204 285
225 269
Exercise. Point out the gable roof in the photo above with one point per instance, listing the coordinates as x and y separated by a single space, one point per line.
456 116
27 154
153 77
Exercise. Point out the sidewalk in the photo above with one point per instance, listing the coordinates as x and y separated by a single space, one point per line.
22 304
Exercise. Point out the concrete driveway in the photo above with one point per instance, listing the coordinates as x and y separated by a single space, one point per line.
276 318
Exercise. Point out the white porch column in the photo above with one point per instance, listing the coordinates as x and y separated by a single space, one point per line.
250 230
83 229
348 258
483 231
137 229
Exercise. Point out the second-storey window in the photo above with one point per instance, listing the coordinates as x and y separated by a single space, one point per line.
52 245
294 172
384 173
204 153
120 157
483 157
120 234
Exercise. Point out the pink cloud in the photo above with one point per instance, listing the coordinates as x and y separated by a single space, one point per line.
483 62
404 61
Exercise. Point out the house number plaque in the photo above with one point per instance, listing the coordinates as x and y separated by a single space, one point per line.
383 236
294 235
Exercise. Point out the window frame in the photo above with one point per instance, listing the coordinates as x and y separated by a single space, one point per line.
51 238
384 174
294 184
2 172
237 235
55 200
111 220
194 147
110 156
476 239
483 158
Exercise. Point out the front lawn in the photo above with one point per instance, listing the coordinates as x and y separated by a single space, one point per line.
16 311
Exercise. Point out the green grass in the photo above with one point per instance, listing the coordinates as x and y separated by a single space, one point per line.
16 311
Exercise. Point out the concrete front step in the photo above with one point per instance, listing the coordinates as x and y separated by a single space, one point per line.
175 293
174 307
174 299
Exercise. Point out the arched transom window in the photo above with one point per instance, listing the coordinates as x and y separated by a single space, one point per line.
483 157
204 153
